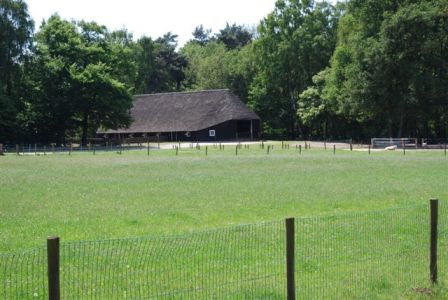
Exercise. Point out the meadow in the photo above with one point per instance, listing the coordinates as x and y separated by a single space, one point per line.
183 210
85 196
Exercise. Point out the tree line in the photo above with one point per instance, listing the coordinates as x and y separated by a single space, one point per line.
356 69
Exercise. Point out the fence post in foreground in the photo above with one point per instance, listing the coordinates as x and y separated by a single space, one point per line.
434 205
206 150
334 149
290 260
53 268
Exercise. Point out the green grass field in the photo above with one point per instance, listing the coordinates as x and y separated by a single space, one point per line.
85 197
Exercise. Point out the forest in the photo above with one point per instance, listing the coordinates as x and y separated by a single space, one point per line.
311 70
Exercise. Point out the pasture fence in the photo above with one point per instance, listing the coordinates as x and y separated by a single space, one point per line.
120 148
389 253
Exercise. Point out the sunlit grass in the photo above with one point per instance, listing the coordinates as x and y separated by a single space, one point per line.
85 196
107 195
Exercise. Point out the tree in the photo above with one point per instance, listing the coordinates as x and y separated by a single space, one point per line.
16 28
123 58
202 36
74 89
213 66
102 101
159 67
388 72
170 65
296 42
234 36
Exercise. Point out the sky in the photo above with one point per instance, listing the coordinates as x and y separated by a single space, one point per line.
155 17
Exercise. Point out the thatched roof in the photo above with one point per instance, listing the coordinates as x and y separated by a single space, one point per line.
186 111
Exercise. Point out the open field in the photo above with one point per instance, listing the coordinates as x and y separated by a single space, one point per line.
363 249
85 197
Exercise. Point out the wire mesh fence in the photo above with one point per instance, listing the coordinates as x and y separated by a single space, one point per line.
363 255
359 255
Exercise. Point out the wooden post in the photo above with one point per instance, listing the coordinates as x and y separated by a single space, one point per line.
334 149
369 148
148 148
177 150
404 148
325 145
53 268
236 150
445 149
351 145
434 205
300 149
269 147
1 149
290 259
70 149
206 150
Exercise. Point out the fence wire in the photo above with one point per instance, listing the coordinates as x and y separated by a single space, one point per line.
363 255
233 263
383 254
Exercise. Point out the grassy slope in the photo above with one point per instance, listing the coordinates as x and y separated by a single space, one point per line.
83 197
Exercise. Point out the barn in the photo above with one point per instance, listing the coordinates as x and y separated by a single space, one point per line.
212 115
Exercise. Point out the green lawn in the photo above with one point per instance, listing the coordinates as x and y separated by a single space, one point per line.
353 245
85 197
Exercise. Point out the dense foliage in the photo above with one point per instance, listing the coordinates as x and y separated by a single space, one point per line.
357 69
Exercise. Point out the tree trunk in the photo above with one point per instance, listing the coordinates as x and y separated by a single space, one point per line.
400 126
85 122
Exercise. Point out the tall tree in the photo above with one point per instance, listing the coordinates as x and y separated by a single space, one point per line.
202 36
388 72
234 36
160 67
16 28
296 42
74 82
213 66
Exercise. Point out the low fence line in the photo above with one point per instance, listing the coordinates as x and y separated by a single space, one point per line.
41 149
365 254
